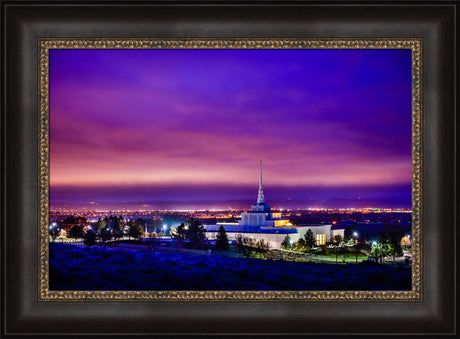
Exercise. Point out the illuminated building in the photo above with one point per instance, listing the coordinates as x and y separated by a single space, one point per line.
263 224
261 214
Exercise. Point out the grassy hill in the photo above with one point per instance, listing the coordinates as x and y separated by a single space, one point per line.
99 268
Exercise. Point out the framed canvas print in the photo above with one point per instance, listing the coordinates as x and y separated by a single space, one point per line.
145 206
242 168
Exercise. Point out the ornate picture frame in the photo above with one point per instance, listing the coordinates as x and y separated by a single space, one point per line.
415 45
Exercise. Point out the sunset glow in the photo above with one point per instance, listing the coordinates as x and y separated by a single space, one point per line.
185 125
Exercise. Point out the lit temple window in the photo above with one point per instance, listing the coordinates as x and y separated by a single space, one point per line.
320 239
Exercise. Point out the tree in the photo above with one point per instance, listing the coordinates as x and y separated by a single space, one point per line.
117 233
89 238
180 234
381 250
54 229
195 233
338 249
54 233
104 234
387 249
242 247
101 224
377 250
309 238
406 242
338 238
70 220
396 250
349 231
286 243
141 221
116 228
135 230
76 232
222 239
300 244
261 247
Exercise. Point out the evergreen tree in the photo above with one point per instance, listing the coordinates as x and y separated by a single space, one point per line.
179 234
101 224
116 228
309 239
196 233
286 243
222 239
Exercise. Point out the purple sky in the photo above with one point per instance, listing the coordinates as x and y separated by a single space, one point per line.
179 127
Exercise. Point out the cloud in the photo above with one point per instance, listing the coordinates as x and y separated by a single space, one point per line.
332 117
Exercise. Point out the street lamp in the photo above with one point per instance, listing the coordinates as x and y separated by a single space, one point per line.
54 229
292 243
164 229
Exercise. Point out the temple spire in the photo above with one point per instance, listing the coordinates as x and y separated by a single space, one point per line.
260 196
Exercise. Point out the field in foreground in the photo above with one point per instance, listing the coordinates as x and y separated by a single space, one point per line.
100 268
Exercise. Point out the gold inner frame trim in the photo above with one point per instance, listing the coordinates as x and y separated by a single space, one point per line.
414 44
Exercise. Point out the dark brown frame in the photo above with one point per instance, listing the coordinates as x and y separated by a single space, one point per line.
27 22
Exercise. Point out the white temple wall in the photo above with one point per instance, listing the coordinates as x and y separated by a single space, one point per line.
274 239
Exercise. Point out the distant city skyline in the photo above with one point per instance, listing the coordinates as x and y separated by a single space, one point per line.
186 128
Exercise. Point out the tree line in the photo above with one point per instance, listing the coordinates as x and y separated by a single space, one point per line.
105 229
193 234
304 244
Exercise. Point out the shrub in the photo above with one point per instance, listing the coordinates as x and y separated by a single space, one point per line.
89 238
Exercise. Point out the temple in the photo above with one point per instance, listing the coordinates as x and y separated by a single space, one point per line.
263 224
261 214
